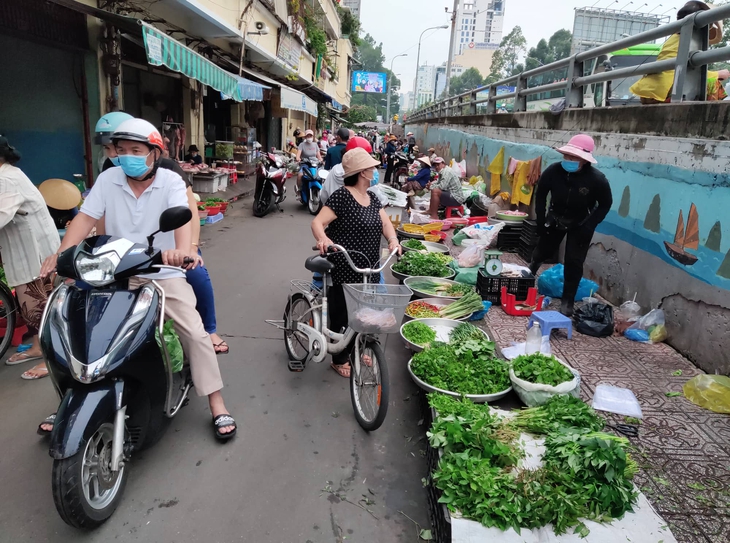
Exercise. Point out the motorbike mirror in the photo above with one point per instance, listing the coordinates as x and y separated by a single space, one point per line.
175 217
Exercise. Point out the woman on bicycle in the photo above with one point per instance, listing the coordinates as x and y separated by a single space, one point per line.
354 219
28 236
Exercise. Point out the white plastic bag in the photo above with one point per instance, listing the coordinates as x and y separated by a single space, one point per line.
533 394
420 218
650 328
486 232
459 168
471 257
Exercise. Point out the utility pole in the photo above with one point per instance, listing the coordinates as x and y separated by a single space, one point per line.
390 80
451 46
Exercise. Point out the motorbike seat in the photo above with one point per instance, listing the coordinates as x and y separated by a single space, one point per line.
317 264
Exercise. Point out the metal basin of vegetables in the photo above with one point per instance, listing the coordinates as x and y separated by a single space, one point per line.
402 276
442 327
405 234
438 302
430 247
421 294
476 398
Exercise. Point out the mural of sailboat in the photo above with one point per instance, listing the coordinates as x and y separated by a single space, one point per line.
685 240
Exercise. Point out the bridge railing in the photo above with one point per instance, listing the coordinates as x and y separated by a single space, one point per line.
690 67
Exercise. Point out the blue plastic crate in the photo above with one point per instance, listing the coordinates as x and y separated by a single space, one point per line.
214 219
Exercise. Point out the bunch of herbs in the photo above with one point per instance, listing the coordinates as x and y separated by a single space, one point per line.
542 369
558 412
428 265
419 333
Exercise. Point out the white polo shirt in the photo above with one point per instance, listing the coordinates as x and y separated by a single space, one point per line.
135 218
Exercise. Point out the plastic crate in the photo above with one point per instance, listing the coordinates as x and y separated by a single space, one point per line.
205 186
214 218
508 241
389 300
490 288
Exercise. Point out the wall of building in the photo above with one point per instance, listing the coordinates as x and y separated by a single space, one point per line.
481 59
656 171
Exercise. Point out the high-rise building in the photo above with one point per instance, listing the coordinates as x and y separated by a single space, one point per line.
440 83
425 84
354 6
478 22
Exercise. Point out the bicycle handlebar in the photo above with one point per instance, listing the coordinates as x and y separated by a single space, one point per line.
365 271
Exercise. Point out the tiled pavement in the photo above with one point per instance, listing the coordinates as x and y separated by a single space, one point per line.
683 450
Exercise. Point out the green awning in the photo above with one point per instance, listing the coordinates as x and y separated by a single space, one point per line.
162 50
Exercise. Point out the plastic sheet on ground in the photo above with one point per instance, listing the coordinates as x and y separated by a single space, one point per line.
643 525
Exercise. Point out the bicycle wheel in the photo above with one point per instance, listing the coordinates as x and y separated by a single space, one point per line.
298 309
370 391
8 314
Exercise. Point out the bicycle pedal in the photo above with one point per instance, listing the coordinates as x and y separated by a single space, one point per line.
296 367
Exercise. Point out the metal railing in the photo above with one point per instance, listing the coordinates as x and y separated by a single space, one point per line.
690 66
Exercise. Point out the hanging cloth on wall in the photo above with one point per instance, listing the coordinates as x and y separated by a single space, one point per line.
535 171
496 168
521 189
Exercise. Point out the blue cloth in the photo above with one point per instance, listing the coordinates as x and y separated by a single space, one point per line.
423 176
203 289
334 156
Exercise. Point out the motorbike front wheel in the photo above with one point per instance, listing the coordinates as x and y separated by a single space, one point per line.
315 202
262 203
85 490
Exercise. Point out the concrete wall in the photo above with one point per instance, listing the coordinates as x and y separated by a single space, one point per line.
659 160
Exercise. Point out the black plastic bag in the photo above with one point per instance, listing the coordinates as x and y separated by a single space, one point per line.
594 320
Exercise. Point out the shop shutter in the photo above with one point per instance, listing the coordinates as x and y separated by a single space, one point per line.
44 21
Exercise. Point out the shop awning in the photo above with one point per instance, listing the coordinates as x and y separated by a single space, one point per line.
290 99
162 50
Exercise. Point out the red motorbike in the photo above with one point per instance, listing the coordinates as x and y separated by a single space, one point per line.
271 176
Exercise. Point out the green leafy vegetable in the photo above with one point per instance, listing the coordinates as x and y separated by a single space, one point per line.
558 412
539 368
428 265
458 289
470 369
465 332
419 333
414 244
465 306
673 394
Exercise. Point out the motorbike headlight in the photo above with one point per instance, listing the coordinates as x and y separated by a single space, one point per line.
97 270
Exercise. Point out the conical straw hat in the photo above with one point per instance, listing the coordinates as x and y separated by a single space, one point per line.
60 194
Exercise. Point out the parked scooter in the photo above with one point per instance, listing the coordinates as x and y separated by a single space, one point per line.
403 162
271 176
312 181
117 386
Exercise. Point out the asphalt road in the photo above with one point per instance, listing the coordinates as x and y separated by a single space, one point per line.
299 451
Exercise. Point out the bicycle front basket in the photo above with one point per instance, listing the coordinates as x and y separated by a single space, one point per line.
376 309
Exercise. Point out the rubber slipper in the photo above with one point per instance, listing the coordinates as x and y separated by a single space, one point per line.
50 419
30 377
22 358
221 421
343 370
222 344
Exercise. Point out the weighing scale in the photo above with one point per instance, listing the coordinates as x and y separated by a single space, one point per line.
492 264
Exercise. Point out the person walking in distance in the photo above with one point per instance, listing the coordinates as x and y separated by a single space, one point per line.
580 198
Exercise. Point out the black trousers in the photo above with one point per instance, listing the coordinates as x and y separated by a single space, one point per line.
337 309
389 170
576 250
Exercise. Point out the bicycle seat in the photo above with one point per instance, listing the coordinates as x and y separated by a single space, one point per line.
317 264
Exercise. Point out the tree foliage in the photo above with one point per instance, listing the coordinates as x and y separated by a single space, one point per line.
547 51
350 25
470 79
361 114
505 61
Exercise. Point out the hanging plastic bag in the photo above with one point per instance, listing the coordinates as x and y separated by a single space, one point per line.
594 320
459 168
172 342
552 281
710 392
650 328
471 257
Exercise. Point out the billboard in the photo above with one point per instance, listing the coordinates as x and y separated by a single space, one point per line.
368 82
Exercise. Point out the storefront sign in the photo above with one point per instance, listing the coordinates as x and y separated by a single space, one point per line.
289 51
291 99
154 48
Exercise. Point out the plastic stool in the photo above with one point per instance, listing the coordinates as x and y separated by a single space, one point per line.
551 320
450 210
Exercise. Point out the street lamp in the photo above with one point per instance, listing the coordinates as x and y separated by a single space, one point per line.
627 5
418 61
390 80
655 7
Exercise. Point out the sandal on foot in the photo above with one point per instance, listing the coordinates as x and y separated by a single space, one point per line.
222 421
28 376
342 369
221 348
21 358
50 419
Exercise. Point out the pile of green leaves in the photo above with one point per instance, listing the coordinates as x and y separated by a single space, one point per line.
469 368
540 368
414 244
585 475
429 265
465 332
419 333
558 412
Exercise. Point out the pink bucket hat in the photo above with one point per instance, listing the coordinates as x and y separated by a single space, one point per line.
581 146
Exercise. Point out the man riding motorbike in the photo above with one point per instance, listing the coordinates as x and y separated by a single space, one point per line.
132 198
307 149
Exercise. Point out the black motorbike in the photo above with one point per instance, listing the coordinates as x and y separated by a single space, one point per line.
401 163
116 382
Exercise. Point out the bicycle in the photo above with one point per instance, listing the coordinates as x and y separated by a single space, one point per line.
8 317
307 337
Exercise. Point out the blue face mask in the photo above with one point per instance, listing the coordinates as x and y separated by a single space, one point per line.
376 178
570 166
134 166
114 160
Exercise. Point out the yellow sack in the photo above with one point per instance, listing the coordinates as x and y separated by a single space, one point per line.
709 391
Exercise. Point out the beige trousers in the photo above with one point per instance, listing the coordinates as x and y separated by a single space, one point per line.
196 344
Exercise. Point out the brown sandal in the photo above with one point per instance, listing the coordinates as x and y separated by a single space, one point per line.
342 369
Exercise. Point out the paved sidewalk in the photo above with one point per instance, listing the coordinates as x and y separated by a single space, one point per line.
684 450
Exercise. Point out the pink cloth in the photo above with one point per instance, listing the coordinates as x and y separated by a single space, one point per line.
512 165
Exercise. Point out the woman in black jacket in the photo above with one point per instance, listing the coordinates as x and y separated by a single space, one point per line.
580 198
